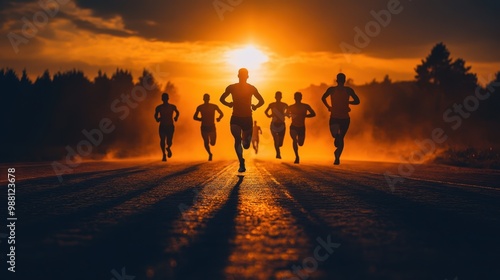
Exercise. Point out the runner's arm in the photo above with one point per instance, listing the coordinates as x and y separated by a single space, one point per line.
196 115
223 98
324 99
221 115
261 100
311 114
176 113
287 112
355 98
267 111
157 112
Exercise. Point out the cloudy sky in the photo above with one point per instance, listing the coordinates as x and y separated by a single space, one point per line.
189 41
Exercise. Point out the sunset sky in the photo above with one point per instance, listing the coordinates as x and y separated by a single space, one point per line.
192 43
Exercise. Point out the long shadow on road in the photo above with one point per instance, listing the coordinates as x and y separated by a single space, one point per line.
52 188
345 261
138 245
207 257
130 243
431 242
47 225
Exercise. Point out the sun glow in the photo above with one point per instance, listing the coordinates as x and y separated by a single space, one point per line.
248 57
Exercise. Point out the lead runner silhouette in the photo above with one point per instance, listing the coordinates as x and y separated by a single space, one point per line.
241 120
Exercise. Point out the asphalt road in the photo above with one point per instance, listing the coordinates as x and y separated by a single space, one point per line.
203 220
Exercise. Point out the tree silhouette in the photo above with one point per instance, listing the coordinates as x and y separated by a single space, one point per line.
43 117
172 91
434 68
439 71
494 85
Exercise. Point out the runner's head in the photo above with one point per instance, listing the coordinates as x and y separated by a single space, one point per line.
341 78
165 97
297 96
243 74
206 97
255 123
278 96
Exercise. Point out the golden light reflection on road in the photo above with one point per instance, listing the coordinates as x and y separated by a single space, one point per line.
268 235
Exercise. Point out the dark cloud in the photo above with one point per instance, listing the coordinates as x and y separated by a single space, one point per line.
87 25
315 25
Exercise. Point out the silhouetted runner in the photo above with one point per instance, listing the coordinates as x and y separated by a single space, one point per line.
207 119
255 136
339 109
241 120
164 114
299 112
278 127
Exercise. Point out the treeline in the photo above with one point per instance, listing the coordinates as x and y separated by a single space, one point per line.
444 95
40 118
447 95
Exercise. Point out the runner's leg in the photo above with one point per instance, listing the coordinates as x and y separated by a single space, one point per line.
206 144
281 136
170 138
294 135
213 137
343 127
276 144
162 144
236 132
301 137
247 138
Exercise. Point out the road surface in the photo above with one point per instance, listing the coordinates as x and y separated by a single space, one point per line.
203 220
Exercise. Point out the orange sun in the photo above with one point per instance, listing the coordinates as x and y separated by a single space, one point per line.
248 57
